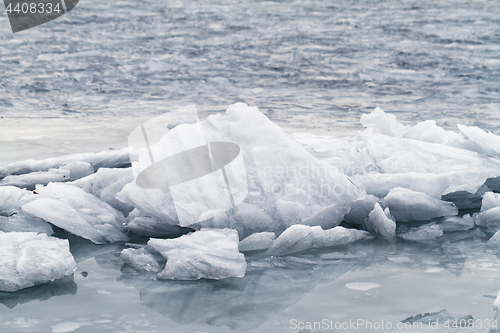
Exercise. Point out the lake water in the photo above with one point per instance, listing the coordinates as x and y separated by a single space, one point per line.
84 81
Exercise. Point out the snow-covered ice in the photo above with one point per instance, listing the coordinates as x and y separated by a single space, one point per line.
28 259
207 253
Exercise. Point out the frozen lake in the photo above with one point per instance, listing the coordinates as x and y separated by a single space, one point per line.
82 82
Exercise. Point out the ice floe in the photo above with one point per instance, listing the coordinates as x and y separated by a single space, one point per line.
28 259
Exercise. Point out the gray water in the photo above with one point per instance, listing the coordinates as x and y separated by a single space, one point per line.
81 82
310 65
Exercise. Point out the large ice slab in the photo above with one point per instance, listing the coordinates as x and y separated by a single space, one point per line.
298 238
28 259
72 209
208 254
407 205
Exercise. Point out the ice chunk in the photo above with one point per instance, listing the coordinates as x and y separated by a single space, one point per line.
400 155
246 218
28 181
496 307
108 182
284 179
347 154
495 239
78 169
296 238
150 202
152 227
107 159
70 208
140 259
407 205
488 142
442 317
360 210
84 183
257 241
428 131
380 222
379 184
466 200
337 236
299 238
208 253
489 219
425 232
384 123
12 198
20 222
455 223
28 259
490 200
